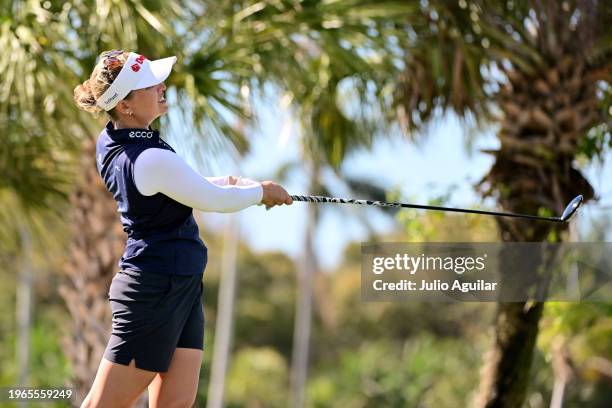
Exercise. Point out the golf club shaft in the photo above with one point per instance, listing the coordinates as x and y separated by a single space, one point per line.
321 199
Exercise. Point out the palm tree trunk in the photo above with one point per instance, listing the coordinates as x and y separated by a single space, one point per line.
505 377
539 138
24 306
303 313
225 316
97 242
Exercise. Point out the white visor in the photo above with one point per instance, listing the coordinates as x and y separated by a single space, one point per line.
137 73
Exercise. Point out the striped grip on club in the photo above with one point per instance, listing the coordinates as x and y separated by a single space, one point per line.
322 199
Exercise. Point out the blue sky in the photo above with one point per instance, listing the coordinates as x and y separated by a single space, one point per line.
440 163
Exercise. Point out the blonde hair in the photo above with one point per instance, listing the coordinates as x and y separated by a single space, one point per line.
86 94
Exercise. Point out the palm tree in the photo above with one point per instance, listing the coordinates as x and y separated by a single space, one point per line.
47 154
322 121
38 123
97 239
548 70
286 50
533 168
224 326
307 269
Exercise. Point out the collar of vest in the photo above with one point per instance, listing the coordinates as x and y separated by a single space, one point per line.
132 135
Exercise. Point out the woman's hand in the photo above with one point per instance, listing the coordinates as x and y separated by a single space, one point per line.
274 194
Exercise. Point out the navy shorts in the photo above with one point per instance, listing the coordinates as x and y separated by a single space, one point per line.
153 314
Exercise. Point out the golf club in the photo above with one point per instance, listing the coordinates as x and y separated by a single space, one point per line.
570 209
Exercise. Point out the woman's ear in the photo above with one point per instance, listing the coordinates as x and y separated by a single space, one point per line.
124 108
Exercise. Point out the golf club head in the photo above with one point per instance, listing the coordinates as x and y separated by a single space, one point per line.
571 208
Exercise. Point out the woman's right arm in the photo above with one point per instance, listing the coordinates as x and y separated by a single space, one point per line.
163 171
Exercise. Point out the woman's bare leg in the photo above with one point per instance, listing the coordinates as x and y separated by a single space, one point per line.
177 387
117 385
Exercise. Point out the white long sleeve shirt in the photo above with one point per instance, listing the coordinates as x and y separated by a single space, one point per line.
162 171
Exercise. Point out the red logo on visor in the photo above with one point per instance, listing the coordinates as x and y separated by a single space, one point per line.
140 60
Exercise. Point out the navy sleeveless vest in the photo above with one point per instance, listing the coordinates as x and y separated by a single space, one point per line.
163 236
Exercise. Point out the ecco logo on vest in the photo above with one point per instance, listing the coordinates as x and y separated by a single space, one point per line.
140 133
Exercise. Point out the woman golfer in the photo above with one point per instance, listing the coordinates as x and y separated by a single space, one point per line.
155 297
